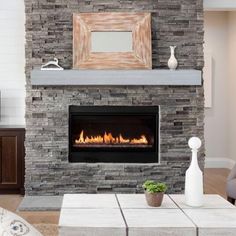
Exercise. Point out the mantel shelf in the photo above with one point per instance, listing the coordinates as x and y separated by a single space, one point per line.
116 77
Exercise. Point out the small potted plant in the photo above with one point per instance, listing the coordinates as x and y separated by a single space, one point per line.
154 192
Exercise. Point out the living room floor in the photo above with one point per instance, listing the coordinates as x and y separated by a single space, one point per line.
46 221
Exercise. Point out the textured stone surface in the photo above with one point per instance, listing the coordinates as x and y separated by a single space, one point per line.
49 34
91 201
158 222
210 201
91 222
138 201
78 214
41 203
213 222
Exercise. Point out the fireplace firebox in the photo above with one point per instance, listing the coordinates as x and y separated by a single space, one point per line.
121 134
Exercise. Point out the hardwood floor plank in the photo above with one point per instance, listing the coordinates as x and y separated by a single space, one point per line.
215 181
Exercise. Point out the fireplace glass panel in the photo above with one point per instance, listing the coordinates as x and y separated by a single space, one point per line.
113 134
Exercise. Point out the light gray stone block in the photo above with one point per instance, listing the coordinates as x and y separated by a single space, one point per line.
91 222
216 232
213 222
90 201
40 203
209 201
158 222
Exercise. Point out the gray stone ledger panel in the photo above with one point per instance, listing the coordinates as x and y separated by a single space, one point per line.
49 35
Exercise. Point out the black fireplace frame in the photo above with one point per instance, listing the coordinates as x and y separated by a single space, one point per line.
136 156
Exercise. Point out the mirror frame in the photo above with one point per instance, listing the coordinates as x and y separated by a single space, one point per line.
137 23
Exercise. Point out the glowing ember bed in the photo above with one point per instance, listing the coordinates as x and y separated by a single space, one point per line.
113 134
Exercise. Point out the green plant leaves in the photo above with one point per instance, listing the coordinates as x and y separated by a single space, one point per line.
154 187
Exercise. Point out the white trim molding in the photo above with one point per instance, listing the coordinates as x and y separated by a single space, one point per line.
219 5
219 162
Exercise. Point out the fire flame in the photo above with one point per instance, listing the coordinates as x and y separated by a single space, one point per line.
108 138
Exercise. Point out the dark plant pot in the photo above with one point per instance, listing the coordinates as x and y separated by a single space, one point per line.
154 199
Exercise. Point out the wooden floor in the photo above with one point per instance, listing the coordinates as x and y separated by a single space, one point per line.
215 181
46 222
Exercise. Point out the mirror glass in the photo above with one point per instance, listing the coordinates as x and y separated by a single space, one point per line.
109 41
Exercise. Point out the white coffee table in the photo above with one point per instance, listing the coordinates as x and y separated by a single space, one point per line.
128 214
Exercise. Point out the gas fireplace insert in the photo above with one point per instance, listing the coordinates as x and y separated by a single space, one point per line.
122 134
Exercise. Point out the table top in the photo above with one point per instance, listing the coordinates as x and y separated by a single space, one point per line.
211 201
131 211
136 201
133 201
90 201
81 217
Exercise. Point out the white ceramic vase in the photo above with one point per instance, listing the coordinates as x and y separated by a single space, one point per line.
172 62
194 177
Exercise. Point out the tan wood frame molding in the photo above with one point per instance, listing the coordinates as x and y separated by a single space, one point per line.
137 23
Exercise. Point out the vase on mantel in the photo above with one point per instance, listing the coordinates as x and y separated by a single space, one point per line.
194 177
172 62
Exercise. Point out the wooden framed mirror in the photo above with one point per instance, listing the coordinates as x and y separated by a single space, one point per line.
112 41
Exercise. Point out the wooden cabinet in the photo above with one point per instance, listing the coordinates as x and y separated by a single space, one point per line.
12 154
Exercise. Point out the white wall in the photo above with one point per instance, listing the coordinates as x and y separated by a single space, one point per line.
220 119
12 62
216 127
232 84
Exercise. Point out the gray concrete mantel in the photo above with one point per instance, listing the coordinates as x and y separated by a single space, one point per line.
116 77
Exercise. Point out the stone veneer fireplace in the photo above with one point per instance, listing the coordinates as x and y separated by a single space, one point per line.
181 108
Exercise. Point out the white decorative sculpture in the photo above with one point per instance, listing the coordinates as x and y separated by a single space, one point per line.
194 177
172 62
52 65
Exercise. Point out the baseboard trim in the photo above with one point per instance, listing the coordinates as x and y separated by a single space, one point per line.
219 162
